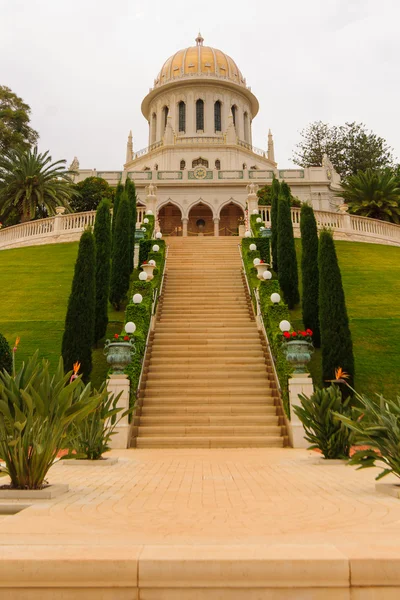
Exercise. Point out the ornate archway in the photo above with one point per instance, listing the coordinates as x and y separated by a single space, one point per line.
170 219
229 219
200 220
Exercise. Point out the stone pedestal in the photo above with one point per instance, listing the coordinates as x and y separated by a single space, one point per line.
252 202
115 385
298 384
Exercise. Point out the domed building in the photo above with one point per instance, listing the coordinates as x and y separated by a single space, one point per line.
200 170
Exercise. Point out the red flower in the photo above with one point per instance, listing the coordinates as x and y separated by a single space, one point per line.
116 336
294 334
309 332
145 262
126 338
286 334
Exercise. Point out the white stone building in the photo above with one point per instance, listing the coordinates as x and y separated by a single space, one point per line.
200 169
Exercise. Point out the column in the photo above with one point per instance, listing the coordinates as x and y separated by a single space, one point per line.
185 221
216 227
115 385
298 384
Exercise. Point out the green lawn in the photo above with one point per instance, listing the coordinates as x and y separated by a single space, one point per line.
371 279
35 285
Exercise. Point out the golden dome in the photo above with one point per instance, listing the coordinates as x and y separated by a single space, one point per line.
199 60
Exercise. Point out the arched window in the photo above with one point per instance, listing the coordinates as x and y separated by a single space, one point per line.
183 165
246 127
165 111
153 132
218 164
199 115
182 116
234 111
217 116
200 161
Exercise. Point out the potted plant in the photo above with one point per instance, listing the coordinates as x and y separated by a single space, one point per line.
261 268
119 351
148 268
298 349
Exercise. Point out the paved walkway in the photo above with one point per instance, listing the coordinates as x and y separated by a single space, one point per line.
249 498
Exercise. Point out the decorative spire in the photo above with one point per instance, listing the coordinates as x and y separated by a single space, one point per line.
271 151
199 40
129 148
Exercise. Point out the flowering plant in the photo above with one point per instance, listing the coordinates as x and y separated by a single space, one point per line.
122 338
301 336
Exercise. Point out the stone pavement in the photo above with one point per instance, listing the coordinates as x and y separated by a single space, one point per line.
183 515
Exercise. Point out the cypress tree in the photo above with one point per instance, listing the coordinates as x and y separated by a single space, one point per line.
102 236
287 261
79 321
120 266
275 189
118 192
336 342
131 191
309 271
5 355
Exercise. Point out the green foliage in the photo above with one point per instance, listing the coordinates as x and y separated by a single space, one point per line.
90 438
15 131
131 191
350 147
102 236
120 267
80 319
254 226
374 194
90 192
145 247
30 181
5 355
320 417
149 228
309 271
288 277
36 409
117 197
264 195
376 425
336 342
275 190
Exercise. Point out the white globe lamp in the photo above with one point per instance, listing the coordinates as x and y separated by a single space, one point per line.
247 234
137 298
284 326
259 220
130 327
252 247
158 235
143 276
267 275
255 211
144 229
149 212
256 261
275 298
152 262
155 248
145 221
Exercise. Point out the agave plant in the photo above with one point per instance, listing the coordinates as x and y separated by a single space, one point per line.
31 183
90 438
374 194
320 417
36 409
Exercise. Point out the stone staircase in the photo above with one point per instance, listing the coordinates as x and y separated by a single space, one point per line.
207 381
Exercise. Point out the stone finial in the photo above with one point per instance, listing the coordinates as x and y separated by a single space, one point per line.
129 148
271 150
199 40
74 166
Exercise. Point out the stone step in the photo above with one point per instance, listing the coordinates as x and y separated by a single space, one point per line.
190 361
217 409
234 441
211 430
209 420
193 372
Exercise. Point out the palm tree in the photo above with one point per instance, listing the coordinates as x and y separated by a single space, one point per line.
31 183
374 194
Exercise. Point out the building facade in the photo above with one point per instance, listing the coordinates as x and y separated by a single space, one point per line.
200 170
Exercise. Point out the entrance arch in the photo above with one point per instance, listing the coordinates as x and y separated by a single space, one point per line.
170 219
200 220
229 219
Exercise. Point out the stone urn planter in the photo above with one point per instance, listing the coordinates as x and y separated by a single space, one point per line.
298 354
260 269
242 229
119 355
266 232
148 268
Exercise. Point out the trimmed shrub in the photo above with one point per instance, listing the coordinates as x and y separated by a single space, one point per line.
79 322
118 192
324 430
287 261
309 272
6 362
149 228
102 236
131 191
145 247
336 342
275 189
120 266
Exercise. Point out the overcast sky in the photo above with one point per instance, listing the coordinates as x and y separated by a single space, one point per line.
84 66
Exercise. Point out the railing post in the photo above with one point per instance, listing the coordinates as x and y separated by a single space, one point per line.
58 219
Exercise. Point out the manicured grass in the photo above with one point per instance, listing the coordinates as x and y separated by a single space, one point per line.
371 280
